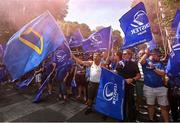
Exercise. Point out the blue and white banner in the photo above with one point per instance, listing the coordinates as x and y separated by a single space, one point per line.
110 97
76 39
98 41
27 48
176 19
136 27
173 66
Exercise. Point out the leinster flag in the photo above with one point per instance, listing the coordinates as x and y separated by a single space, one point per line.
136 27
173 66
31 44
110 97
76 39
98 41
176 19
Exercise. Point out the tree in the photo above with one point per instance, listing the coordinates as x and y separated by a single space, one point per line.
16 13
70 27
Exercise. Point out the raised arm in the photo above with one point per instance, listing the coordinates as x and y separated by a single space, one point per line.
143 58
79 61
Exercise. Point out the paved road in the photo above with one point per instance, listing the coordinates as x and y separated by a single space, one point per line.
16 105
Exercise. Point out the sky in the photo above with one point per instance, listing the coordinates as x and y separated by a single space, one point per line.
98 12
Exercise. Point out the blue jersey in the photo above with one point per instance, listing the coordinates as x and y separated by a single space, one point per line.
151 78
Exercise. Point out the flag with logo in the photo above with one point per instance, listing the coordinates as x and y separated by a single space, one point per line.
110 97
63 61
98 41
136 27
176 19
76 39
173 66
31 44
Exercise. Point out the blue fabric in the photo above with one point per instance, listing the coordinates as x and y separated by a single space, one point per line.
25 83
76 39
110 97
176 19
73 83
152 79
173 66
87 74
152 44
98 41
31 44
136 27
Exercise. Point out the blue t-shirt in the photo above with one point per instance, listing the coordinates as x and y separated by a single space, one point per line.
151 78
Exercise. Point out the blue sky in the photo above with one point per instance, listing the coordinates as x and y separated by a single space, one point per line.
98 12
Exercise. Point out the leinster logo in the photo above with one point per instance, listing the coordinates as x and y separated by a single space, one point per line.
96 39
140 23
110 92
60 56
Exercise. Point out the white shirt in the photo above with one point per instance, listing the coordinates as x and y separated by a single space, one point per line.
95 73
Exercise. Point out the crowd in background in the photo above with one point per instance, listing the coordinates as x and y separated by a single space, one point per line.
143 71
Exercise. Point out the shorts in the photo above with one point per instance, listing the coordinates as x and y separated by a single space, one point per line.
92 90
159 93
38 78
81 80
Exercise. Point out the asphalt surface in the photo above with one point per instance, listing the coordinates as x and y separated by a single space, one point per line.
16 105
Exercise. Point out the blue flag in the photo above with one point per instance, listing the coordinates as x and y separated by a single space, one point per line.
98 41
110 97
25 83
41 89
31 44
76 39
63 60
173 66
136 27
176 19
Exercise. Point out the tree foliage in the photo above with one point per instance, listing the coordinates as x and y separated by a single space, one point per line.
16 13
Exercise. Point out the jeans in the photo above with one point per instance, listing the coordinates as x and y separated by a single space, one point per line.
62 88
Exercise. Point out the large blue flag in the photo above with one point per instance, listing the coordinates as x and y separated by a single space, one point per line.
176 19
31 44
63 60
76 39
110 97
136 27
98 41
173 66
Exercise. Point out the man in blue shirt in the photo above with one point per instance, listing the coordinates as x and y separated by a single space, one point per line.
153 83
